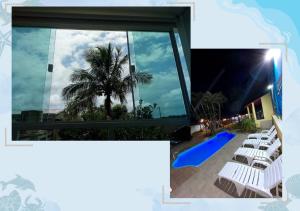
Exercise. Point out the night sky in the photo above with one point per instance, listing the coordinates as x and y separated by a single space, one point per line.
241 75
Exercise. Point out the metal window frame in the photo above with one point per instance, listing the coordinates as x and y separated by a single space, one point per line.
108 23
130 72
99 124
185 96
93 18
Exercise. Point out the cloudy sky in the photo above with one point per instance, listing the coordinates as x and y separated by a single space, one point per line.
29 64
153 53
70 46
150 51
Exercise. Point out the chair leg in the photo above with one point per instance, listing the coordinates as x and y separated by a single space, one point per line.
239 189
249 160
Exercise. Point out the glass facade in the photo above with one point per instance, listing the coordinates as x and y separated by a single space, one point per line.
152 52
30 85
185 69
44 64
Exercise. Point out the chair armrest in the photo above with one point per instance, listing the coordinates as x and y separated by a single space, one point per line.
254 136
264 137
263 159
264 131
266 145
264 163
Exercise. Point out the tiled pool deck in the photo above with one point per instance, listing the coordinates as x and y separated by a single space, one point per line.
201 182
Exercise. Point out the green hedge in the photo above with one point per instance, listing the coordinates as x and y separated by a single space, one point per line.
246 125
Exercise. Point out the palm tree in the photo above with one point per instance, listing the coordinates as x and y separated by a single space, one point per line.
208 105
220 99
104 77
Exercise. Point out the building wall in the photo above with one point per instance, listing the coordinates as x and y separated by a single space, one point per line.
268 111
267 106
278 126
248 112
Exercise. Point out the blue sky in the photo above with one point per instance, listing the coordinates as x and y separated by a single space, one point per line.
158 59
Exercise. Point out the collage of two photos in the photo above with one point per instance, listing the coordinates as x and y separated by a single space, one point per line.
129 73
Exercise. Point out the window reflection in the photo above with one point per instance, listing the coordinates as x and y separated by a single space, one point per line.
46 61
30 52
183 64
152 52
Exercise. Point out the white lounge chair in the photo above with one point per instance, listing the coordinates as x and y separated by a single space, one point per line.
257 180
255 143
251 154
263 133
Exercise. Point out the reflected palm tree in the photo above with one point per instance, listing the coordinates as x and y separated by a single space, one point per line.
104 77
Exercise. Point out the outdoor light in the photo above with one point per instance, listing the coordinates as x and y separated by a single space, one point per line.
270 87
273 54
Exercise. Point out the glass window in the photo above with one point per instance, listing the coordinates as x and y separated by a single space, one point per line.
83 53
151 53
184 64
30 59
64 75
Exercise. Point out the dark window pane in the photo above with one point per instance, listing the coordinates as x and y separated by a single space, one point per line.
258 109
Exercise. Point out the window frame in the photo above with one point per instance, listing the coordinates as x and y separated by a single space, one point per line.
33 17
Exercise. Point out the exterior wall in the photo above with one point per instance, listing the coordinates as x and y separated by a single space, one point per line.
268 111
253 112
277 123
248 112
267 106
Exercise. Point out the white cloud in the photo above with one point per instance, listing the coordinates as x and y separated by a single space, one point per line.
165 91
70 46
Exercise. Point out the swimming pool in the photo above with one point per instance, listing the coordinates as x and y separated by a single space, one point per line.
196 155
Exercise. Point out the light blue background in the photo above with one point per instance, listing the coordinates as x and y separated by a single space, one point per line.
130 175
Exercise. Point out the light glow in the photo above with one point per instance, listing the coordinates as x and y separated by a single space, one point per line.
273 54
270 87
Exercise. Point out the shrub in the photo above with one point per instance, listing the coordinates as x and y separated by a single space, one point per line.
119 112
246 125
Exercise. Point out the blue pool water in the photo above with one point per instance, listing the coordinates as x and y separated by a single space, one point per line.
196 155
